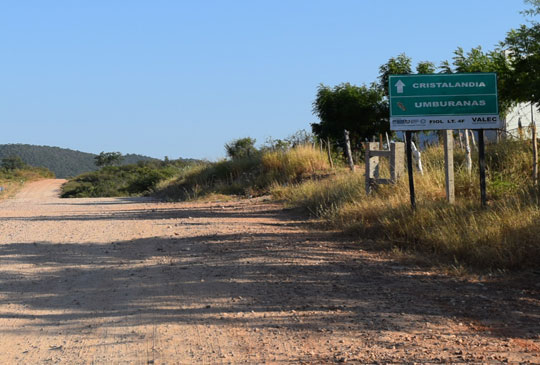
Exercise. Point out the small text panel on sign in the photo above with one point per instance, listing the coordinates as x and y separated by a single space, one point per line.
442 122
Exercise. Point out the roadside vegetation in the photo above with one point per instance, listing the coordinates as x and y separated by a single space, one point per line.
247 175
128 180
14 173
248 171
503 236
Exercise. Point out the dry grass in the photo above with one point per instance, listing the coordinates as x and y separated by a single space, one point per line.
10 188
12 181
505 235
247 176
294 164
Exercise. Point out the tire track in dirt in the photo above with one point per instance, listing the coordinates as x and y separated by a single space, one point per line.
134 281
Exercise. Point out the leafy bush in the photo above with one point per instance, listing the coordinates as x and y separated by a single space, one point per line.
241 148
136 179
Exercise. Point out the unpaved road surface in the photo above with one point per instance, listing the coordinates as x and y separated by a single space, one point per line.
132 281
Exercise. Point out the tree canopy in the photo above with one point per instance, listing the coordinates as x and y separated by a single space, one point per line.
13 163
361 110
523 46
477 60
108 159
400 65
241 148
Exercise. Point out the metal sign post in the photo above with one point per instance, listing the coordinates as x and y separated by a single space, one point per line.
408 137
445 102
482 167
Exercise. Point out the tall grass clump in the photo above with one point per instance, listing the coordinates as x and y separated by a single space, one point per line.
293 165
246 175
505 235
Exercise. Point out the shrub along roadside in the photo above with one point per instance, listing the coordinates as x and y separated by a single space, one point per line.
253 175
128 180
504 236
250 174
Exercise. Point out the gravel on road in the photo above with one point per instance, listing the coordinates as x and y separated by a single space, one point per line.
136 281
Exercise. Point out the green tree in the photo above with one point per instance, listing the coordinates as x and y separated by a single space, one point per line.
535 10
301 137
108 159
13 163
361 110
477 60
523 48
241 148
400 65
425 67
276 144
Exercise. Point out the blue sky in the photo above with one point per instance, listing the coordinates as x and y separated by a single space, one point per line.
182 78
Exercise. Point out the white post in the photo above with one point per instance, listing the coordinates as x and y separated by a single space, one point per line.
418 158
468 159
472 138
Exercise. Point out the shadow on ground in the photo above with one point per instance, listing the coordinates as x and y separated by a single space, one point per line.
214 212
294 280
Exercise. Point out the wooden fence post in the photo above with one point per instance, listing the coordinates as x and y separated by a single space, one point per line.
535 147
328 148
348 149
449 165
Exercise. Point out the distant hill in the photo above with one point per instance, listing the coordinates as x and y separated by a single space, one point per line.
62 161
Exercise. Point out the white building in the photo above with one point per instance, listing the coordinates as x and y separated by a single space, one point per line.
521 114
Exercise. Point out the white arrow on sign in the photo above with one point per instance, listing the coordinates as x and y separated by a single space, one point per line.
399 86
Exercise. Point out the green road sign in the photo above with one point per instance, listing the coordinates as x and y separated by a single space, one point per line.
444 101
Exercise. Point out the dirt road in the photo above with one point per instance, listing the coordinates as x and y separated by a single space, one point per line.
132 281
